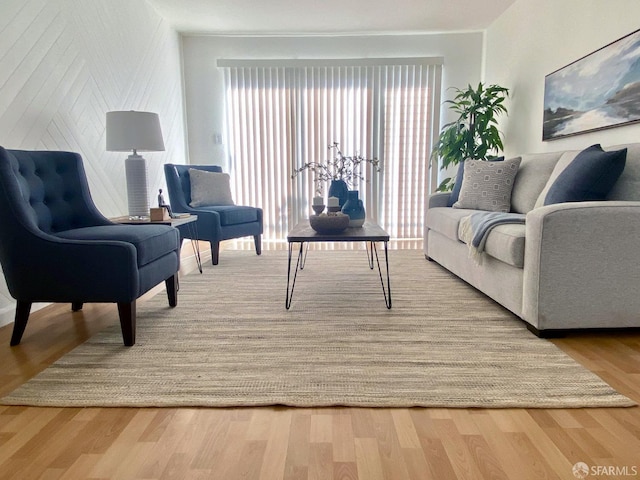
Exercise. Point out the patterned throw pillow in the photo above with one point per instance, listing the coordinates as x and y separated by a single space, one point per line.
488 185
209 188
455 192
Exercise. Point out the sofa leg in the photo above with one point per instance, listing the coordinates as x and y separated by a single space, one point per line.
20 323
546 333
257 239
215 252
533 330
76 306
172 290
127 311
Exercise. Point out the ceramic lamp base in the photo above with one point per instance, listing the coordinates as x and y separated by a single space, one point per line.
137 191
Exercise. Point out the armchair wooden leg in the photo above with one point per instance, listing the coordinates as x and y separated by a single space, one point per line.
76 306
257 239
172 290
215 252
127 311
22 317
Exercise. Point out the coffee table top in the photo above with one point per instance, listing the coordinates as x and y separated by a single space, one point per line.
369 232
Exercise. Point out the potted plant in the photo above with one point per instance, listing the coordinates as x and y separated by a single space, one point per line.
475 133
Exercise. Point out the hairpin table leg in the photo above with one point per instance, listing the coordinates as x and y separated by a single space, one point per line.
299 266
385 291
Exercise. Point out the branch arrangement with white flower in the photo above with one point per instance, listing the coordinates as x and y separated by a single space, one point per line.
341 167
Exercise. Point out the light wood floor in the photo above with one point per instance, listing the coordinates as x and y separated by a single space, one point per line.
323 443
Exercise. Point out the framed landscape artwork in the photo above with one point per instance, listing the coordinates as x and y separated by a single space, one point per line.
601 90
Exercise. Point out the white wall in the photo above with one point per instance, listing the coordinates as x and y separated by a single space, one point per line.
536 37
64 64
204 81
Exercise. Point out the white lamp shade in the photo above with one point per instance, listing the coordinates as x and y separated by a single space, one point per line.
131 130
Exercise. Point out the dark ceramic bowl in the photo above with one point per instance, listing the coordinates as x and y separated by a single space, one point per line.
329 223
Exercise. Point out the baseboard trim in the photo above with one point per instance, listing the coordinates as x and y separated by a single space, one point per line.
7 315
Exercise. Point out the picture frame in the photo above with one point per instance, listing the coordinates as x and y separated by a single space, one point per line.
598 91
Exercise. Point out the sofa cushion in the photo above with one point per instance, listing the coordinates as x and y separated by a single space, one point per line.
506 243
151 241
446 220
503 242
590 176
209 188
533 174
487 185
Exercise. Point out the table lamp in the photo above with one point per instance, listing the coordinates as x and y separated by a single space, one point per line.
131 130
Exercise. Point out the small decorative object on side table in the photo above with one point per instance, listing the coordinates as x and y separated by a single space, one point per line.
162 203
159 214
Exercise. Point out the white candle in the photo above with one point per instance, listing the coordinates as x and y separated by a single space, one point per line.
318 201
333 202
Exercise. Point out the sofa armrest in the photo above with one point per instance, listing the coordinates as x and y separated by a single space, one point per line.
436 200
90 270
439 199
581 265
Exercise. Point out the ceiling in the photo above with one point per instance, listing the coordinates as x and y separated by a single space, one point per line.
324 17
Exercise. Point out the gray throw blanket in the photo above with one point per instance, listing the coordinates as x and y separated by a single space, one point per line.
475 228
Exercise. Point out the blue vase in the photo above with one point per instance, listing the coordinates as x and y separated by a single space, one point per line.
338 188
354 208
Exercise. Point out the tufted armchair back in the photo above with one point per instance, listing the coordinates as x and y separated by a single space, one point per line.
45 191
55 246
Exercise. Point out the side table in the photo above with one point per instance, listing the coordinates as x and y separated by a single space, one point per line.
190 222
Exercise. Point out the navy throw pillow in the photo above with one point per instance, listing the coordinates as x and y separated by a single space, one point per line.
589 177
455 192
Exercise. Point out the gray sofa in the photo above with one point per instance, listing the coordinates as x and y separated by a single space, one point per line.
570 266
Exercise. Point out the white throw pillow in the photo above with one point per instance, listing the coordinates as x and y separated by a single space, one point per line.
209 188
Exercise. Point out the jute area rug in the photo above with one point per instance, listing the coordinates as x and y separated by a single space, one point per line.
231 342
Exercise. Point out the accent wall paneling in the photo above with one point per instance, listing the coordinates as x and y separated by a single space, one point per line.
64 64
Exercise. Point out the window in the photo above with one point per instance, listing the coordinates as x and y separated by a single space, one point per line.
280 116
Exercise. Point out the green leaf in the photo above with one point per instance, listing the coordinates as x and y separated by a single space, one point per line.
475 133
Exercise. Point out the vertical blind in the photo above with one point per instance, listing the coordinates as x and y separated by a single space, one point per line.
279 117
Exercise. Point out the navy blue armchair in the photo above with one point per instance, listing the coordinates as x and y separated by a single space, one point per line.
215 223
55 246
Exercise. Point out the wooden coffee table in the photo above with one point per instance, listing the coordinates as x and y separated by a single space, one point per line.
370 233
